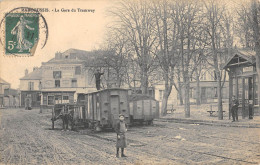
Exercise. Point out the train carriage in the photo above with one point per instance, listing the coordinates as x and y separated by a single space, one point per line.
103 107
143 108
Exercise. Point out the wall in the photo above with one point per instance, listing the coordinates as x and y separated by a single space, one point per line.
3 87
24 86
67 76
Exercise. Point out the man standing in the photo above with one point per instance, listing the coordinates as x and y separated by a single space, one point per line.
234 108
121 139
98 78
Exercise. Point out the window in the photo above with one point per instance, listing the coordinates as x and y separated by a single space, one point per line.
50 100
215 92
38 96
57 74
57 99
65 98
31 86
77 70
161 94
57 83
74 83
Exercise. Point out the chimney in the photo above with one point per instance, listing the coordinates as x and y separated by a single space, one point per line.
26 72
58 55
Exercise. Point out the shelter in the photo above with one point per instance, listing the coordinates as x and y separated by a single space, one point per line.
243 82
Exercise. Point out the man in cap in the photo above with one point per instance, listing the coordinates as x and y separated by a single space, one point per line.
234 108
98 78
121 129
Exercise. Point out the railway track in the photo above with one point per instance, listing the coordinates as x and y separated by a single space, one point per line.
99 136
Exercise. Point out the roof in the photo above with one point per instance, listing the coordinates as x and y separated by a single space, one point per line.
2 81
34 75
59 90
88 58
137 97
244 56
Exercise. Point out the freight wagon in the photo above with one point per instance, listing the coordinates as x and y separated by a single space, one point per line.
143 108
103 107
69 114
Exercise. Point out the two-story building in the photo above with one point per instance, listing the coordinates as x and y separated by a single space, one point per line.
65 76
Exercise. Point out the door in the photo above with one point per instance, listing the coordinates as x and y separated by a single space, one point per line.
58 99
250 98
114 105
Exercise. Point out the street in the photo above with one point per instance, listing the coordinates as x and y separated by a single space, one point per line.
26 138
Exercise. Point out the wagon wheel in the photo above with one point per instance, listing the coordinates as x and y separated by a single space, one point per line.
97 127
150 122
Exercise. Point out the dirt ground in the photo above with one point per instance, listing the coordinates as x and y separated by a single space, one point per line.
26 138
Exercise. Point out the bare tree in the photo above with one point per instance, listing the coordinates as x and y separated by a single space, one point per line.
249 31
135 20
167 41
188 22
214 16
255 10
114 58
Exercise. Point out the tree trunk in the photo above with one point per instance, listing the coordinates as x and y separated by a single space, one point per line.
187 99
197 89
220 110
180 88
165 99
255 13
186 82
144 82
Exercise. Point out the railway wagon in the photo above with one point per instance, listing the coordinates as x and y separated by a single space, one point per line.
103 107
69 114
143 108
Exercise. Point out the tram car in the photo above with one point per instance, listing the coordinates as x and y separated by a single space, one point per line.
143 109
104 106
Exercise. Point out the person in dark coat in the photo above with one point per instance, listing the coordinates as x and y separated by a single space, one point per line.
98 78
121 129
234 108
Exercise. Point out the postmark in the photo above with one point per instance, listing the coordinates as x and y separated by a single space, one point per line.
23 31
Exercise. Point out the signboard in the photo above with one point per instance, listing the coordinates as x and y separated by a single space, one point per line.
248 69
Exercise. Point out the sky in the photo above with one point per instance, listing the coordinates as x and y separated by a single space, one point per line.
79 30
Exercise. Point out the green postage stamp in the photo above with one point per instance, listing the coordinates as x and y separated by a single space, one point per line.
21 32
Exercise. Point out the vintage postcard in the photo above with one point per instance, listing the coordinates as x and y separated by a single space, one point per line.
129 82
